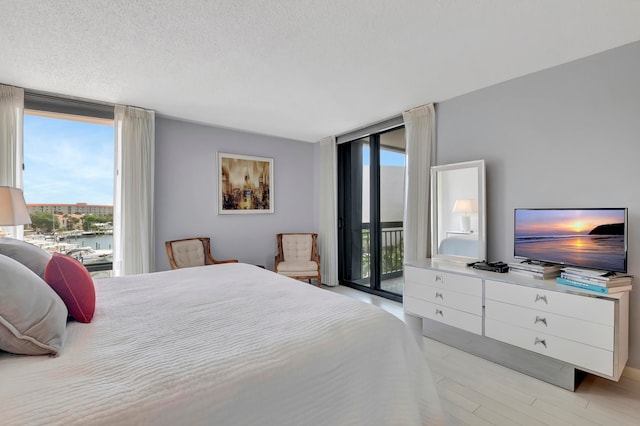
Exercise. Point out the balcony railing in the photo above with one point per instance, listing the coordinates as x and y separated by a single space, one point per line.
392 244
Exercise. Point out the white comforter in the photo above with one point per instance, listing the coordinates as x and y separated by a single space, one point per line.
224 345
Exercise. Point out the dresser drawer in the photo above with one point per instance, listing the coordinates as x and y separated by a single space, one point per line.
458 283
444 297
453 317
578 354
586 308
581 331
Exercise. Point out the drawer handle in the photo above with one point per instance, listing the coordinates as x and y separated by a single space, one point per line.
439 312
542 320
439 278
543 298
439 295
540 341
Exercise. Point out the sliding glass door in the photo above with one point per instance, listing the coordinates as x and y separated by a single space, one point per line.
371 188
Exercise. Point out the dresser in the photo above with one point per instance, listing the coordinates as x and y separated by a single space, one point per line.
538 327
450 298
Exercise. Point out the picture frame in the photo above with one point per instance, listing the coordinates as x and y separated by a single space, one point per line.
245 184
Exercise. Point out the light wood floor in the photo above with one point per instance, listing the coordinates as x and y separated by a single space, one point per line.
474 391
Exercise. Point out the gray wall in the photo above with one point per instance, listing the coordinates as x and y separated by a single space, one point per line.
568 136
186 188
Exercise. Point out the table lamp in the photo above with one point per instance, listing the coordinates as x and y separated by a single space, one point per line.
465 207
13 209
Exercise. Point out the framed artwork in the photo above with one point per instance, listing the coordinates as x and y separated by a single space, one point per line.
245 184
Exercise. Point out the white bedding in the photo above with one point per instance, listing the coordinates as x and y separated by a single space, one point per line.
459 247
230 344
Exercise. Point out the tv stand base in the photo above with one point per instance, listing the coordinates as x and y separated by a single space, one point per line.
541 367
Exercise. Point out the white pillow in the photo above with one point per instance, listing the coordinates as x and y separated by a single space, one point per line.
31 256
33 318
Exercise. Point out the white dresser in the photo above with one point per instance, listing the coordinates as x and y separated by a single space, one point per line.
452 299
534 326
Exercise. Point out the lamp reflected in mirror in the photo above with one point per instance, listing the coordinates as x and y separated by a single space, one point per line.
465 207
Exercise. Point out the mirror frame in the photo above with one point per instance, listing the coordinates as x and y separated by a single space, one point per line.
479 166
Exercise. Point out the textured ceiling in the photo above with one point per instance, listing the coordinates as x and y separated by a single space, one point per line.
299 69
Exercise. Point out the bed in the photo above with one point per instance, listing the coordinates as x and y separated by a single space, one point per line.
230 344
457 246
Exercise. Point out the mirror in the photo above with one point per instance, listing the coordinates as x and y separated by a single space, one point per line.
458 222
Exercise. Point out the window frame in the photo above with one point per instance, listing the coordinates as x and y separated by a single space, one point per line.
73 109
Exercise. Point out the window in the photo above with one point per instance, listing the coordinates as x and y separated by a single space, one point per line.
371 208
68 180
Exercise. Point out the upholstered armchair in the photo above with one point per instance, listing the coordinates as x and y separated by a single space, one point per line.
298 256
190 252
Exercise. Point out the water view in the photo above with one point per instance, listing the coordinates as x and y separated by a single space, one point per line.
87 248
598 251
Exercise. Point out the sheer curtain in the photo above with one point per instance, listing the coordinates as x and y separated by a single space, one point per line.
328 211
420 140
133 236
11 126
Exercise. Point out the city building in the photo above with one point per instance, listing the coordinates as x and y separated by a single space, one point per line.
78 208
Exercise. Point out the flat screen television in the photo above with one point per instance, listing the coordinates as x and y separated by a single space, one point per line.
588 238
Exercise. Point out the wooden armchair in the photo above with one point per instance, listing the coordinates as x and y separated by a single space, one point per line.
298 256
191 252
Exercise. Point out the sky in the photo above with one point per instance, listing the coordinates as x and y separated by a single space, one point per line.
387 157
67 162
564 221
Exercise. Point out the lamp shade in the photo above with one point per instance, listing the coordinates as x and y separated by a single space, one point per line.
13 209
464 206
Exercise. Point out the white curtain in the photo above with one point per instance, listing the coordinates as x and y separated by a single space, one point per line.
11 148
328 211
420 139
133 236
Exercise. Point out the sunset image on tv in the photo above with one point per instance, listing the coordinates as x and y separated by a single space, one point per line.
581 237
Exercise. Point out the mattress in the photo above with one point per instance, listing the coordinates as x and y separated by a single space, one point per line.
230 344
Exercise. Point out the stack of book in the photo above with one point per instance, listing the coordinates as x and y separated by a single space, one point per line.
537 270
597 281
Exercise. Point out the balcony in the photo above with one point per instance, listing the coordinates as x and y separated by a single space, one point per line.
392 243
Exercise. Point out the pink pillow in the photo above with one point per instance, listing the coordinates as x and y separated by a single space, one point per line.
71 280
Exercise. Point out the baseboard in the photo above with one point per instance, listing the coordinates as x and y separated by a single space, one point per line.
631 373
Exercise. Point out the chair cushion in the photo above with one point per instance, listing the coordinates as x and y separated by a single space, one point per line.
33 318
188 253
306 267
297 247
298 275
31 256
